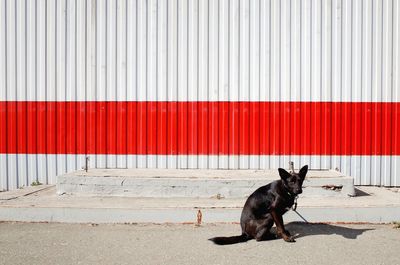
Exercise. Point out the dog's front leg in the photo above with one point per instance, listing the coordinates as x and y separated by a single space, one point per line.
280 227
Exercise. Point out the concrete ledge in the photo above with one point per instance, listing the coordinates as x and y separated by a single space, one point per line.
193 183
377 205
75 215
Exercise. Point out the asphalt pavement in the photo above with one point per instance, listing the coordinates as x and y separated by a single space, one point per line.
56 243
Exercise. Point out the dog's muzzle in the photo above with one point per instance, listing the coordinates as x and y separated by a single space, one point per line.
299 191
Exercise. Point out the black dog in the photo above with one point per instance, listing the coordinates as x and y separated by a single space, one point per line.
265 207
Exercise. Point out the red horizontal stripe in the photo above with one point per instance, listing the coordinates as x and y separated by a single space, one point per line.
200 128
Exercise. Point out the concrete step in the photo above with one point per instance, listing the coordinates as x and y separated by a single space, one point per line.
372 205
173 183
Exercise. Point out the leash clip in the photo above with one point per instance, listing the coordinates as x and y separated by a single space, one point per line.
294 207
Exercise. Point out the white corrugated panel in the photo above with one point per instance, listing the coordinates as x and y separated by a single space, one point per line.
199 84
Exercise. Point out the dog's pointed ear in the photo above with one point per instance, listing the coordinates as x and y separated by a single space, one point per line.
303 171
283 173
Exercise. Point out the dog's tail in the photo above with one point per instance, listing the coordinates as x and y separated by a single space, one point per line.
229 239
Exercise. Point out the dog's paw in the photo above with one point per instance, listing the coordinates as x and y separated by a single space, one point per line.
289 239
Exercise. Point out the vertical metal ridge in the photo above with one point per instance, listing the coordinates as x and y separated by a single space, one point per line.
3 93
396 95
387 73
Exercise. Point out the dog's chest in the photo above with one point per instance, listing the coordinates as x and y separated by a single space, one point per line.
285 205
289 205
280 203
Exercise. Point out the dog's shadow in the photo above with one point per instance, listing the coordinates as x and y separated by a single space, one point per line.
301 229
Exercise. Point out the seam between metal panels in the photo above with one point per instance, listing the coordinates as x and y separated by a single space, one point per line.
6 83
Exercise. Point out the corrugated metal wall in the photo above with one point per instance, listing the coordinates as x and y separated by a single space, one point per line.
199 84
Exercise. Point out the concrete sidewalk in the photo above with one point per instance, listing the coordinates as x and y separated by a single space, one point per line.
42 204
45 244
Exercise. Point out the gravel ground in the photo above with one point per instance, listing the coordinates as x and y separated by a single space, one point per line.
42 243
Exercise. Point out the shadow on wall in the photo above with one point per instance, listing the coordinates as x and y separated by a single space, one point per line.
300 229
